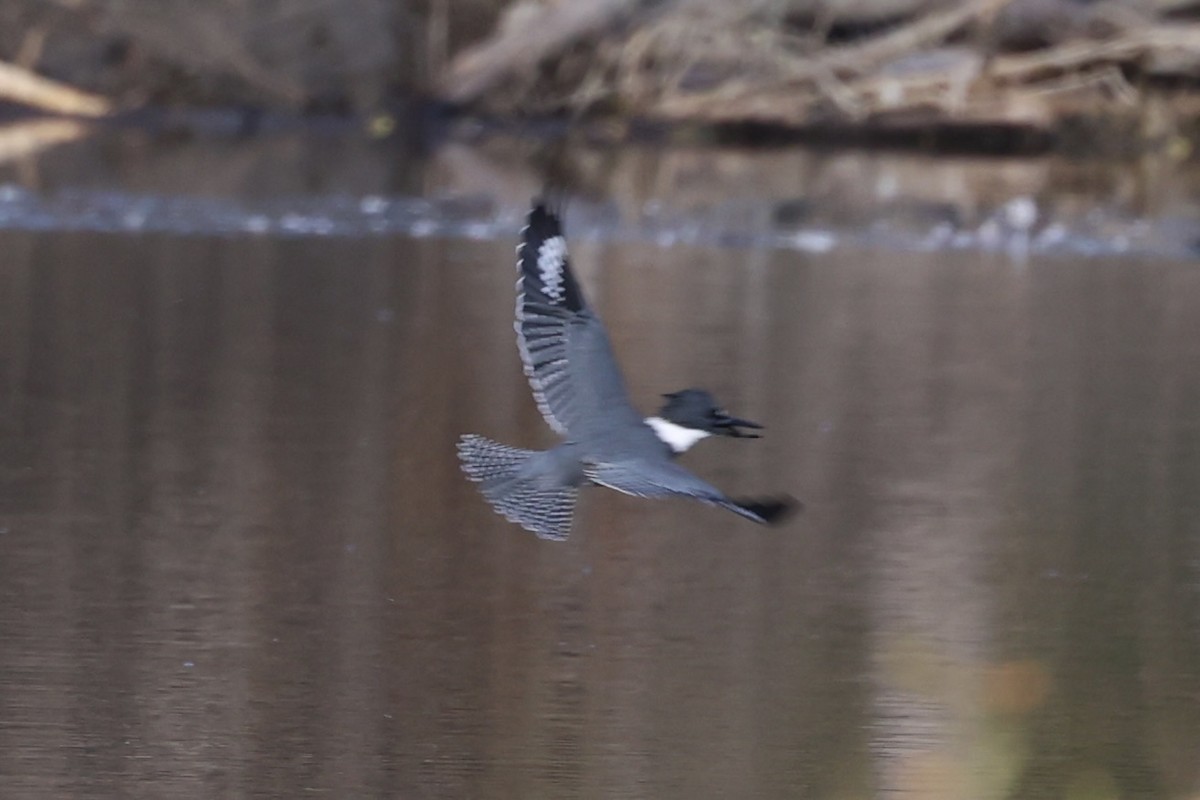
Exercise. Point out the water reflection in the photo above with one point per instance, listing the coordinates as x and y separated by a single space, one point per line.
239 559
316 181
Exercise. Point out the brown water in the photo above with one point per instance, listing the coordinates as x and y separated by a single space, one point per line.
237 557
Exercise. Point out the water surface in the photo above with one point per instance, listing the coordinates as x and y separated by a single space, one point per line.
237 557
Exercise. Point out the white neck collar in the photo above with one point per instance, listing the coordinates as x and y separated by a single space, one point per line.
677 437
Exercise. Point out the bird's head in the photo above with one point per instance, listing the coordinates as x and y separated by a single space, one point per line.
692 414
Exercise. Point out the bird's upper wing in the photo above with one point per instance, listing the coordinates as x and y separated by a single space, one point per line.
664 479
574 376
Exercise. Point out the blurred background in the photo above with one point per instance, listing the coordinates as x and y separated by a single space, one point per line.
256 278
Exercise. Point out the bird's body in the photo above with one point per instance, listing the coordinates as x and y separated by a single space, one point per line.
561 465
581 393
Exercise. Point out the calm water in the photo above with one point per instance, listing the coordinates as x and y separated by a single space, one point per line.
237 557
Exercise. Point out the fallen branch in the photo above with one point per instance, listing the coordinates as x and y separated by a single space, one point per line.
23 139
525 42
933 28
22 86
1077 55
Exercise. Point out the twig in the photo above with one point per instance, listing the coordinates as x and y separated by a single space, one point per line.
859 60
22 86
32 45
1109 77
1075 55
862 58
23 139
522 47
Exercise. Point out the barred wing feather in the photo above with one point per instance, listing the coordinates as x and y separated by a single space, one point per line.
563 345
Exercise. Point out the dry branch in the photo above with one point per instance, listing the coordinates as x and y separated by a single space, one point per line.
22 139
523 43
1131 46
922 32
22 86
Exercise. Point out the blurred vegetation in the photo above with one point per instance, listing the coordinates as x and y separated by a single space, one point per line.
301 55
1037 65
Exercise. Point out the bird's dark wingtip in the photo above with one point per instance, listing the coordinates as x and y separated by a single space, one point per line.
543 219
771 510
543 262
550 205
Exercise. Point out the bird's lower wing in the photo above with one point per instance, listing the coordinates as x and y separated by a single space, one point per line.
671 480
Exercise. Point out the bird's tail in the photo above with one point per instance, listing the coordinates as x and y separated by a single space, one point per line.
496 468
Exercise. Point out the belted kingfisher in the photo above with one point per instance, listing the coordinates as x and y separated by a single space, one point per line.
579 390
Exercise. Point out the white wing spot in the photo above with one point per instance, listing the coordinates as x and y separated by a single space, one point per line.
552 255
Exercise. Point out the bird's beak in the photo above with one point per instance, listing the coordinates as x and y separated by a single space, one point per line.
729 426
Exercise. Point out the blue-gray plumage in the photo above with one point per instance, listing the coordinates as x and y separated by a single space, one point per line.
579 389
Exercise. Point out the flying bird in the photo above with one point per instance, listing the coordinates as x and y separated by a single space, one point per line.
579 390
